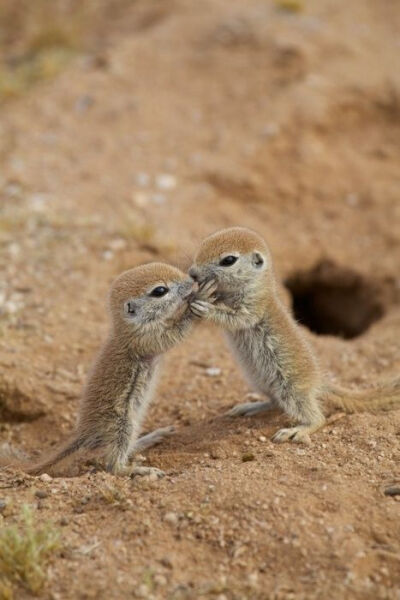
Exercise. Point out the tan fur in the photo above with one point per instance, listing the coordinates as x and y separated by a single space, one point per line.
269 344
136 282
235 238
121 381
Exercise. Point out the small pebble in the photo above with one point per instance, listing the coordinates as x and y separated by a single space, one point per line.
117 244
3 504
171 517
253 578
14 249
213 371
45 478
38 203
142 591
160 579
165 181
352 199
108 255
140 199
165 561
41 494
247 457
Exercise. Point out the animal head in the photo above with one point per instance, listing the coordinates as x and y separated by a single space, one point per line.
237 258
143 299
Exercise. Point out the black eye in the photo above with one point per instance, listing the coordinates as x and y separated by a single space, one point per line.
130 308
228 261
159 291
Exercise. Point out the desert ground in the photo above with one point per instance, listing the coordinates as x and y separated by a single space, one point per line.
174 119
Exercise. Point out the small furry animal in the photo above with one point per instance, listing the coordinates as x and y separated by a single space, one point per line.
267 341
149 315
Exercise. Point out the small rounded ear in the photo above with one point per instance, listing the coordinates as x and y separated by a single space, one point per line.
257 260
129 308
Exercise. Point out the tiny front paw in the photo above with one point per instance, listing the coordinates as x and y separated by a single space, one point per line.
200 308
207 290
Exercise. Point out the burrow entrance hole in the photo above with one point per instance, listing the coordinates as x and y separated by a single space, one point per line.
334 300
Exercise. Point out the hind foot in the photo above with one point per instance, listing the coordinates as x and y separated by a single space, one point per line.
151 471
249 409
152 439
299 435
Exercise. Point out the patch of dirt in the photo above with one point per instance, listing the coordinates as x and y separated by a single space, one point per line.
186 117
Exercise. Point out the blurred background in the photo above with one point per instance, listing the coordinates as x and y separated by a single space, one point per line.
138 126
129 129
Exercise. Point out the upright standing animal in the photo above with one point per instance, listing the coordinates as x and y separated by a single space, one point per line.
267 341
149 315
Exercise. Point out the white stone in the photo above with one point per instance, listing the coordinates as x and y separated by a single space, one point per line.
171 518
165 181
108 255
213 371
38 202
117 244
140 199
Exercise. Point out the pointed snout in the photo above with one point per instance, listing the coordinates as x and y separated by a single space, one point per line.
194 273
188 287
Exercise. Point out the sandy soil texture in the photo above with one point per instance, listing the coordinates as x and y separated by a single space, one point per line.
187 117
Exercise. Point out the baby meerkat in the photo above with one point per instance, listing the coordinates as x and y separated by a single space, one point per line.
149 315
264 336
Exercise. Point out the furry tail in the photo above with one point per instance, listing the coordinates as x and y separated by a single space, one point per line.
11 459
385 396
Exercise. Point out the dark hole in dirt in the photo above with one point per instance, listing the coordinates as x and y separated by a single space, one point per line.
15 405
334 300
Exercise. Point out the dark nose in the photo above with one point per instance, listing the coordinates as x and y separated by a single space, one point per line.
193 274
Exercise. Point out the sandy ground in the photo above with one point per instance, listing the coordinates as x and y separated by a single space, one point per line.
200 116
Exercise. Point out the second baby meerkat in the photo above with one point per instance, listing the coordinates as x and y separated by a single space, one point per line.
264 336
149 315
